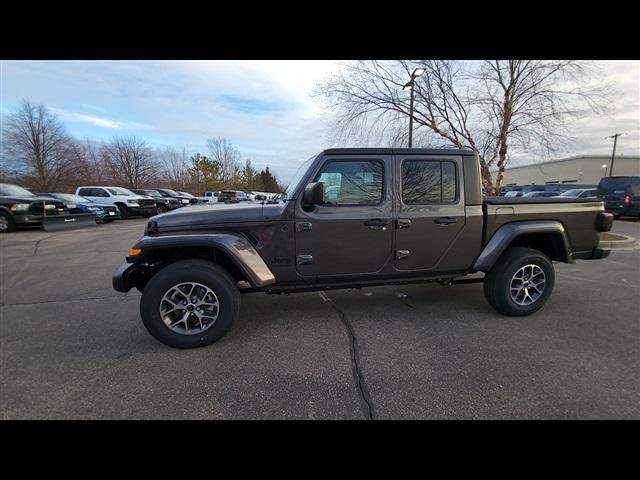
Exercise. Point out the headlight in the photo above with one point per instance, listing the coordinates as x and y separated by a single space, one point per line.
134 202
184 200
94 209
19 206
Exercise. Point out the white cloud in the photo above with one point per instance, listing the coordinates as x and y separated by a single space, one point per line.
99 121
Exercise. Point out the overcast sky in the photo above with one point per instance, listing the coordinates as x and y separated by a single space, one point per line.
263 107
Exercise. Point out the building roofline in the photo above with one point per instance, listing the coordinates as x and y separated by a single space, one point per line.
577 157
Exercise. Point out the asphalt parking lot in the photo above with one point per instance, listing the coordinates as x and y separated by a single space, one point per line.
73 348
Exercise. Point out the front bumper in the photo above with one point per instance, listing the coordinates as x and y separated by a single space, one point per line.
139 210
27 219
123 276
106 216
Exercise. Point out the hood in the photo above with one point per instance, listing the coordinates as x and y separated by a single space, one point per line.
201 215
30 199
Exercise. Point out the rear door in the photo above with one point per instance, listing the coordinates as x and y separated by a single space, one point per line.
430 210
352 232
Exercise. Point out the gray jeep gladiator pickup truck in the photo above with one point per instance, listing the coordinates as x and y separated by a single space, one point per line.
354 218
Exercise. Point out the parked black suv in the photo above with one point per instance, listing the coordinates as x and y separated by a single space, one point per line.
163 204
621 195
183 199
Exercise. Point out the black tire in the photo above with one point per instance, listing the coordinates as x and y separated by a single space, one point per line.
199 271
161 209
6 223
124 211
497 282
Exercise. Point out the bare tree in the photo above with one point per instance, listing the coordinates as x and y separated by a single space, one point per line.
174 165
493 107
37 145
91 162
130 161
223 151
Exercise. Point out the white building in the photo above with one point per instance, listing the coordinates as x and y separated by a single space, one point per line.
583 169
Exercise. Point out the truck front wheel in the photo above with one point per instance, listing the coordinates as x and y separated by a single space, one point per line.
190 303
6 223
520 282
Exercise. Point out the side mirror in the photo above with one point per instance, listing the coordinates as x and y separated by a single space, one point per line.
314 193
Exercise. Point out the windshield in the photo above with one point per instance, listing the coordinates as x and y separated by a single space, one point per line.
186 194
571 193
120 191
151 193
14 191
70 197
172 193
297 178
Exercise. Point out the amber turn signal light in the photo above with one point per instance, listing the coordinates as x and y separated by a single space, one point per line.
134 251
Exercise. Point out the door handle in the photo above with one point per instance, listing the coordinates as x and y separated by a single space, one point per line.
444 220
376 223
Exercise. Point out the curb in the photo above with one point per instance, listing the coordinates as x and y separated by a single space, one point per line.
624 242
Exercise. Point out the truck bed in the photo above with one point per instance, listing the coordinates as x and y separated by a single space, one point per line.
577 215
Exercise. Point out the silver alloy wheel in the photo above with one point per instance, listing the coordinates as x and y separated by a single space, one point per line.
527 285
189 308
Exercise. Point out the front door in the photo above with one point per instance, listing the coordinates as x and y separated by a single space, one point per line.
352 232
430 211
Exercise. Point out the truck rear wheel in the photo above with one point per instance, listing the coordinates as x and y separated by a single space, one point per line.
190 303
520 282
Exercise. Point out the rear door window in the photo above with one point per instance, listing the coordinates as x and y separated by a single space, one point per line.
429 182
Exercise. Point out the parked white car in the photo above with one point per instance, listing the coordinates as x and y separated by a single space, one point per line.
209 197
127 202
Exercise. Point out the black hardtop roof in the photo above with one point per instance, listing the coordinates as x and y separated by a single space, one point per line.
397 151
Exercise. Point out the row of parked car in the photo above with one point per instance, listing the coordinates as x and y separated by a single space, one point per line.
20 207
235 196
620 194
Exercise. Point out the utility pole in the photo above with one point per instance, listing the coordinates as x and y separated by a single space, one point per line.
613 155
416 73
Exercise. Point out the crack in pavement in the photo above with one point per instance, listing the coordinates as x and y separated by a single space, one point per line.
35 248
355 361
112 297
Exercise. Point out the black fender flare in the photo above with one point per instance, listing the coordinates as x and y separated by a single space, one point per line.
503 237
237 247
